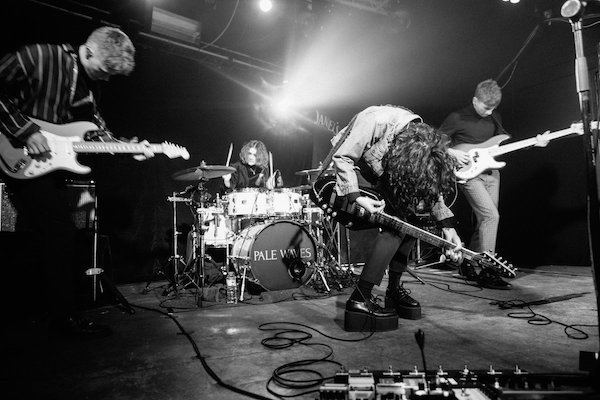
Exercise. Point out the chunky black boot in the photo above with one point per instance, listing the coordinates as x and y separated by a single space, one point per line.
467 271
399 298
368 316
491 280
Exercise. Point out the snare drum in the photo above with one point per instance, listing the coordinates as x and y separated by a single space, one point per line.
285 203
248 203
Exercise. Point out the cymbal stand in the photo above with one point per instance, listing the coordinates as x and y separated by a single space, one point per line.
327 251
175 260
200 259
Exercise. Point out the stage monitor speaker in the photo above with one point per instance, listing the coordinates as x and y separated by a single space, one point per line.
81 196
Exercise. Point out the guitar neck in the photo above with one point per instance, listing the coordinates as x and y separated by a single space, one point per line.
418 233
521 144
114 147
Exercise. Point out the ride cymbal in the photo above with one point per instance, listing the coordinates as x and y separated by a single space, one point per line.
202 172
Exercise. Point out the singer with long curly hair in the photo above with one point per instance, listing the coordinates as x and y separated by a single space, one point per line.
407 160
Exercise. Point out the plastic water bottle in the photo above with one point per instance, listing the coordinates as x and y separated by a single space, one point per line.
231 284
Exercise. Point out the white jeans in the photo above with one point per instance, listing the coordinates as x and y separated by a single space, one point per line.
483 193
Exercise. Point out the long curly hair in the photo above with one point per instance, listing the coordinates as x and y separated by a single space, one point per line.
262 155
418 168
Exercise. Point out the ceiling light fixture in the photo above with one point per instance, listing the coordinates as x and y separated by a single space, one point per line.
265 5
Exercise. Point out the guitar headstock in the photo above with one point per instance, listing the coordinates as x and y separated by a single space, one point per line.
494 261
172 150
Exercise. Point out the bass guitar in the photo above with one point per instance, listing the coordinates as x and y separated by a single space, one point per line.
481 156
356 217
65 142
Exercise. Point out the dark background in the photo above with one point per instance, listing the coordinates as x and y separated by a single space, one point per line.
427 55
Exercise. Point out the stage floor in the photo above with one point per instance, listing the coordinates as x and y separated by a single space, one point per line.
172 349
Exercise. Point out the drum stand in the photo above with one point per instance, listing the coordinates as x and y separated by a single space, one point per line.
325 252
175 260
197 273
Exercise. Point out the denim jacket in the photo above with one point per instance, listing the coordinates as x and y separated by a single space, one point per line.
367 143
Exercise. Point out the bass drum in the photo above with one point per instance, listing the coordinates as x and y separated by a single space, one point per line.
281 254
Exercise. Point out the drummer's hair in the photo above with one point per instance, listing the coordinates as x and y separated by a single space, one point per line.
262 155
417 167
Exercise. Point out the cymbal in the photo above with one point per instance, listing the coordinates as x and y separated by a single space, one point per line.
315 171
202 172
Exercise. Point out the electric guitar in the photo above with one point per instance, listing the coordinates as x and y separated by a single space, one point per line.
481 156
66 141
356 217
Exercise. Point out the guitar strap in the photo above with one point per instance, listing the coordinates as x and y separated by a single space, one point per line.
499 125
327 160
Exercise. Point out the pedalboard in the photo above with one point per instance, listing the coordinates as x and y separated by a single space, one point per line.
465 384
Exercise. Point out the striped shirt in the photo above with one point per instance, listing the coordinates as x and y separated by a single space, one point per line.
43 81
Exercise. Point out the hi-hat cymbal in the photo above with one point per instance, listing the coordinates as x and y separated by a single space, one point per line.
202 172
301 187
315 171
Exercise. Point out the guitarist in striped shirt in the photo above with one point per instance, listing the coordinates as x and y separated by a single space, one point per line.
56 83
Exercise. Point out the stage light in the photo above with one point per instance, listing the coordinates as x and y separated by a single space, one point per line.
176 26
265 5
515 1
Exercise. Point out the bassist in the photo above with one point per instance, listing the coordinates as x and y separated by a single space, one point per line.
475 124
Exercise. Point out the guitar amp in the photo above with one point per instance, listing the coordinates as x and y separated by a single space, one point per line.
80 195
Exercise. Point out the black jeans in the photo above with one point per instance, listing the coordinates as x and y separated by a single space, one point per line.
389 249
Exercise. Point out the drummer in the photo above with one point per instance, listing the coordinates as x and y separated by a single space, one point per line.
252 169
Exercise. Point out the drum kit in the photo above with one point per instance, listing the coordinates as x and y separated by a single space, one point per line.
270 237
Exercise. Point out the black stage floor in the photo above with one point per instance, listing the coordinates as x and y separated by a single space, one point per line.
171 348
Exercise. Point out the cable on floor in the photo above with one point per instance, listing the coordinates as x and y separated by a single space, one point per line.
207 368
571 330
286 336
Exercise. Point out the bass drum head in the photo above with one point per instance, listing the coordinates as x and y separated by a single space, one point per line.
281 254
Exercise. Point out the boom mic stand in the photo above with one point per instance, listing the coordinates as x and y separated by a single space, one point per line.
574 10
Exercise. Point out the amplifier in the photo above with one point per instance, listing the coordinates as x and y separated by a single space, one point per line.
81 196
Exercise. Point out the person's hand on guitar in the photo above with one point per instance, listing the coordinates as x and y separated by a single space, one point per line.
461 156
37 144
371 205
148 153
455 254
541 141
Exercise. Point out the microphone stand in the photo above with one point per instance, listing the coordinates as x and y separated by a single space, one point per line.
574 10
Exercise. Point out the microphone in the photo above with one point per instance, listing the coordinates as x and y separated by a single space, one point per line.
575 8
